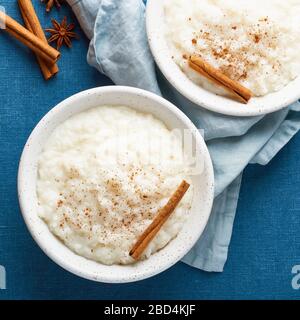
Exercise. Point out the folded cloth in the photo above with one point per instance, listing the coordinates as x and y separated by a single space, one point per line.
119 49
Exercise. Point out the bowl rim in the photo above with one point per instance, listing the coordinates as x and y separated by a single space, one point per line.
257 106
28 149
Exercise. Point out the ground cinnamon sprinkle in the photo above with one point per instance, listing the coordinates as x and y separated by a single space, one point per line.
257 38
233 59
80 216
59 203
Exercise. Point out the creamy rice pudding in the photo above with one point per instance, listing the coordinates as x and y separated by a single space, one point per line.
98 189
255 43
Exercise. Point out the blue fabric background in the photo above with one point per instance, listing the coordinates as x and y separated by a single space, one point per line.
266 237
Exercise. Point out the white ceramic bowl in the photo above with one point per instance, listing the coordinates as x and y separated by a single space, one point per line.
142 101
198 95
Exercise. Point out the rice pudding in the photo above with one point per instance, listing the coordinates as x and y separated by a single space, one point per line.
98 190
255 43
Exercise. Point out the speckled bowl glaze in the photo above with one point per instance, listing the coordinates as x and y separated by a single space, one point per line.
144 102
256 106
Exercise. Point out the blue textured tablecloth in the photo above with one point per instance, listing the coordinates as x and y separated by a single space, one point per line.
266 238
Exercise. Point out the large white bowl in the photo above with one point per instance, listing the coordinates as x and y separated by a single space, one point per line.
142 101
198 95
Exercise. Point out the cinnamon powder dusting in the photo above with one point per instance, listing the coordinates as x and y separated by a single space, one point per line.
234 57
129 210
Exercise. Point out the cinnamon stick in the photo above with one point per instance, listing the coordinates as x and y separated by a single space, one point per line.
49 5
32 23
45 51
160 219
236 89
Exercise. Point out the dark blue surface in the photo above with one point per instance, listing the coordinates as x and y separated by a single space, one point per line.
266 238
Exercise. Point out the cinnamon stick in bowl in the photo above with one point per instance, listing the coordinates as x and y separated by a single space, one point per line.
238 91
42 49
160 219
32 23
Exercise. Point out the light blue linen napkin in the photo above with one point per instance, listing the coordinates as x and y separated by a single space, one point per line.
119 49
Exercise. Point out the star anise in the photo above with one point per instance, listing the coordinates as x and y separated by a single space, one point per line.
51 3
62 33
